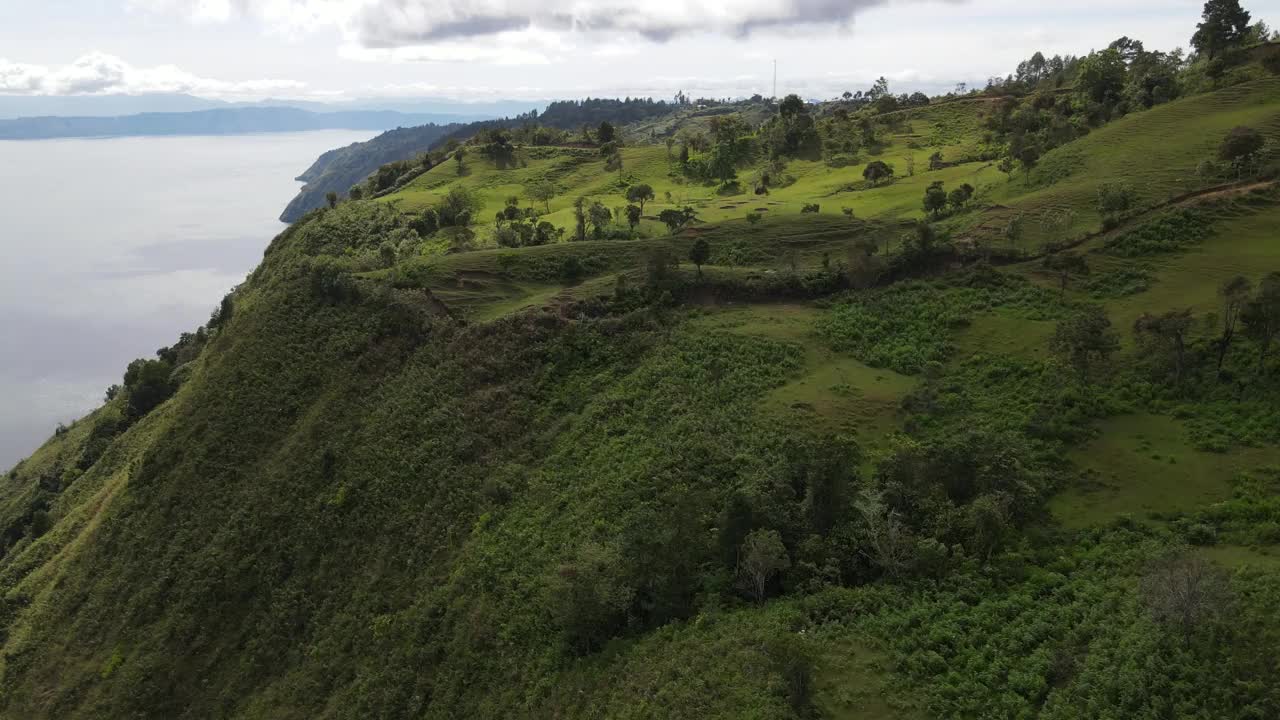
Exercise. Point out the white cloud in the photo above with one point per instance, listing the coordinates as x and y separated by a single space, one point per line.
405 23
102 74
530 46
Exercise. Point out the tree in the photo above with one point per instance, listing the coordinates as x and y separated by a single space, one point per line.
633 216
580 218
460 157
612 154
1165 334
675 220
356 193
876 171
607 133
699 253
541 191
761 557
331 198
600 217
1085 338
147 384
936 162
640 194
1236 294
736 521
1185 592
1224 25
791 106
885 540
458 207
1007 166
1102 76
1261 317
935 199
1064 265
1029 156
1014 229
1240 147
1115 198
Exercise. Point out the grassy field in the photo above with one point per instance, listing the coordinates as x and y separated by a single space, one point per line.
833 391
1142 464
1156 152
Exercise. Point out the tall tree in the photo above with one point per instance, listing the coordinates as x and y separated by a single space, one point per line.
1261 317
1102 76
1235 294
607 133
935 199
541 191
1065 265
761 557
600 217
633 216
699 253
580 218
1165 334
1224 25
1084 339
640 194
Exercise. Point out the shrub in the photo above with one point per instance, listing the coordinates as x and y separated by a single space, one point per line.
1115 198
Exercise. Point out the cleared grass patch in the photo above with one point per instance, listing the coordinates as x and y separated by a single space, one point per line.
1142 464
833 391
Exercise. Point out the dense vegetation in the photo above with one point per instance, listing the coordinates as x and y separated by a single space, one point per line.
769 421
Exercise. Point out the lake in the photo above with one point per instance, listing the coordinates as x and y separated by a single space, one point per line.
112 248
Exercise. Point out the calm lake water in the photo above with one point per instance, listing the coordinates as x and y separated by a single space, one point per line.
111 248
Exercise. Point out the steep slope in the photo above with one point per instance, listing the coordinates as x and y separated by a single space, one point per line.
337 170
587 480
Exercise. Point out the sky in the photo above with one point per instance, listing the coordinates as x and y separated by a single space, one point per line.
527 49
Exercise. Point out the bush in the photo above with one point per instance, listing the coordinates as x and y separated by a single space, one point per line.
1115 198
1169 232
810 208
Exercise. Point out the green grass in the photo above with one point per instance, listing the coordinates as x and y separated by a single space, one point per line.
832 391
1142 464
1155 151
1247 245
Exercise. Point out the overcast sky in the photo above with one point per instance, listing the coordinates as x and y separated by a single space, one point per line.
487 49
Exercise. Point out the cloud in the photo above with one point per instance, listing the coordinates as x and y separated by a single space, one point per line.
102 74
383 24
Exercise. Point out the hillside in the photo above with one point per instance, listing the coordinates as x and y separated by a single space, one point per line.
337 170
813 449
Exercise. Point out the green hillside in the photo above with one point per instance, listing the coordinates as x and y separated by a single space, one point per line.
893 463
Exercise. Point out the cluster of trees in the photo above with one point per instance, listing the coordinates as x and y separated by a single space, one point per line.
937 199
793 132
880 100
1125 77
1177 342
515 226
732 144
593 111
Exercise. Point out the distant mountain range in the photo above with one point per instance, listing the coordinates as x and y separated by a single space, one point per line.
226 121
25 106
